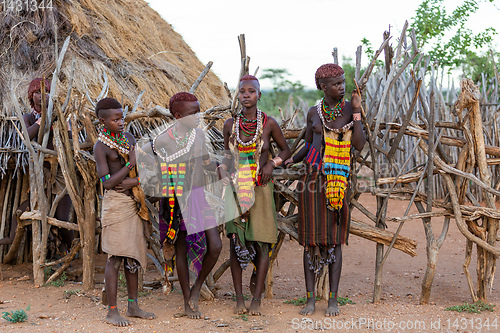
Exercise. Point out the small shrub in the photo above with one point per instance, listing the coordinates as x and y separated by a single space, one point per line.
60 281
472 308
242 316
303 300
299 301
17 316
344 300
72 292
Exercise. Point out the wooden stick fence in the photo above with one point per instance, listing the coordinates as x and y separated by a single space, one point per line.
421 148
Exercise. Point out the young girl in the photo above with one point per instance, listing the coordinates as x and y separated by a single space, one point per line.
249 198
332 126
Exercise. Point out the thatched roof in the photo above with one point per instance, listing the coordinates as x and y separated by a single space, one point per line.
126 39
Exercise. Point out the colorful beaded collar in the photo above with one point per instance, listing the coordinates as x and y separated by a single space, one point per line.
168 158
114 140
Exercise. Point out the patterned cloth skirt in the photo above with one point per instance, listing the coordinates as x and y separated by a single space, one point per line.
318 225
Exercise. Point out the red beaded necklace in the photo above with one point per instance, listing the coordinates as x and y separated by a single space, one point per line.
249 126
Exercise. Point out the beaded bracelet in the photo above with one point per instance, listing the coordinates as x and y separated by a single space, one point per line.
310 294
139 179
104 178
129 166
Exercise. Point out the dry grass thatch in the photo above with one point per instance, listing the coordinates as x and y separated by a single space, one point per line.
125 39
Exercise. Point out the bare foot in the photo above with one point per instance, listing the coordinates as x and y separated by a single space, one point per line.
194 299
193 314
309 308
135 311
240 305
333 308
254 308
114 318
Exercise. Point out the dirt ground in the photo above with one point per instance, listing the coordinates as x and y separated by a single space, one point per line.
55 309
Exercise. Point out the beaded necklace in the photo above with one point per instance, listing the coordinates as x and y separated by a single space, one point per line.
36 114
336 167
259 123
332 112
180 142
247 175
344 128
173 178
248 127
114 140
168 158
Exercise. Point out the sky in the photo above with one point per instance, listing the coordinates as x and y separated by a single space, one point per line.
298 35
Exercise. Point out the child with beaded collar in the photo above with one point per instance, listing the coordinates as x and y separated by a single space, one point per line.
332 126
187 225
125 218
249 199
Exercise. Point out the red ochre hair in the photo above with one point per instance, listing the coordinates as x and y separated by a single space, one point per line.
181 97
249 78
35 86
106 104
327 71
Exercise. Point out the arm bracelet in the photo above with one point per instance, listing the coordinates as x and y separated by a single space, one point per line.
104 178
129 166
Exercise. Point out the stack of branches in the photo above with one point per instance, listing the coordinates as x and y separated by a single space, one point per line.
73 154
422 150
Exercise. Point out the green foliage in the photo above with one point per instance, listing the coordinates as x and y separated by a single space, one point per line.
17 316
242 316
283 89
68 293
303 300
370 52
433 26
349 72
446 39
472 308
60 281
299 301
344 300
478 64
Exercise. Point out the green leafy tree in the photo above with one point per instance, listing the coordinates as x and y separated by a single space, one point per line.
370 52
445 37
349 69
451 44
283 88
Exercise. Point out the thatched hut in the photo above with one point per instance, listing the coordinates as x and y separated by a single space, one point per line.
127 41
121 44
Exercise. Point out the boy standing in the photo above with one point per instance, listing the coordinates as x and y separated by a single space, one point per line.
187 224
124 213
